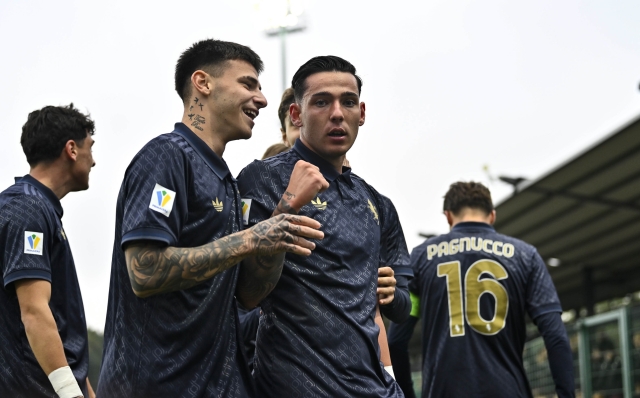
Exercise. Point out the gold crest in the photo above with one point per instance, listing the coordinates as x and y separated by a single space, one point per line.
318 204
374 211
64 236
217 205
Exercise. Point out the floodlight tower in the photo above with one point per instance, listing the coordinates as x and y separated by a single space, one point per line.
285 17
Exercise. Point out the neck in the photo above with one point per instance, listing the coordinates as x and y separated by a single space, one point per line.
50 177
337 163
200 122
471 215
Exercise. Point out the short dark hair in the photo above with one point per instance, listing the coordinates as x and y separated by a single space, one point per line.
470 194
211 55
288 98
47 131
325 63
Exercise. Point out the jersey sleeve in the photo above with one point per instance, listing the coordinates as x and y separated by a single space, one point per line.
393 247
26 237
154 194
260 188
542 297
418 257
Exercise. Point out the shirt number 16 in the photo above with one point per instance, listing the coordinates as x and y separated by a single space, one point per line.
474 288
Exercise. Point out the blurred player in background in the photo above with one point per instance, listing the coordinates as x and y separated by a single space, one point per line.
476 287
43 331
171 328
317 334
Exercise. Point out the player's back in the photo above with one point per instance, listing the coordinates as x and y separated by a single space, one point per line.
475 287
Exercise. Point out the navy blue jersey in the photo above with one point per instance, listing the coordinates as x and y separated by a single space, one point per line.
476 287
317 336
34 246
180 344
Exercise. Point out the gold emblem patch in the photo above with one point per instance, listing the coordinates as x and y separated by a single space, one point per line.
318 204
374 211
217 205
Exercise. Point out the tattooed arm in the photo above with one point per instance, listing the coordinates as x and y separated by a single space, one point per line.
259 274
155 269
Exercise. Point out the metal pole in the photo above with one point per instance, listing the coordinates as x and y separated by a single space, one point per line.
283 51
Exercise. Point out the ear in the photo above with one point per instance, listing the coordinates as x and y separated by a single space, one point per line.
70 150
449 217
362 110
201 82
294 112
492 217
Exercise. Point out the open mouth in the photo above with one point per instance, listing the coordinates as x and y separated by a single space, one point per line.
337 133
251 113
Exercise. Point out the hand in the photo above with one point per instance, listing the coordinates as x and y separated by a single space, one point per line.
285 233
305 183
386 285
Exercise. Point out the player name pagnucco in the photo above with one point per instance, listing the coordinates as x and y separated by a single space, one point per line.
477 244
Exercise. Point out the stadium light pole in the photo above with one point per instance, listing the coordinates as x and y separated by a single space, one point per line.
282 24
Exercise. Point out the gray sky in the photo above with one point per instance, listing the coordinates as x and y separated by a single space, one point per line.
449 85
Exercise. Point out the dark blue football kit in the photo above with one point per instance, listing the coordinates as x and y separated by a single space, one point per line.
476 287
178 192
34 246
317 336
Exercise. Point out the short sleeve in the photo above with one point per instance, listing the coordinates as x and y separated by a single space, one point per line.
541 297
26 237
393 248
260 188
154 194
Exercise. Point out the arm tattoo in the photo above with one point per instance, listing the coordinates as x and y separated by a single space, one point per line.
283 206
154 269
260 274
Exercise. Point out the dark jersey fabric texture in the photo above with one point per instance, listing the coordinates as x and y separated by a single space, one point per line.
476 349
35 246
317 336
178 192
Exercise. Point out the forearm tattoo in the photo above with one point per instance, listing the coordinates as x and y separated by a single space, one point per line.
153 269
283 206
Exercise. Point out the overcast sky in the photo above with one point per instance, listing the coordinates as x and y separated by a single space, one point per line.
450 86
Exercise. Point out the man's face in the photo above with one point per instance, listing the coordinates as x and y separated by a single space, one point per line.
83 164
330 114
235 100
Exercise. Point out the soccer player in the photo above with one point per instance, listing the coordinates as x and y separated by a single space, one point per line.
317 335
171 322
43 331
476 287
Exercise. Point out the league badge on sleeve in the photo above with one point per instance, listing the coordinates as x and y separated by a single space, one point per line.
246 206
33 242
162 200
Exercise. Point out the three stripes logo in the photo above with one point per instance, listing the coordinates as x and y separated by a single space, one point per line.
162 200
33 242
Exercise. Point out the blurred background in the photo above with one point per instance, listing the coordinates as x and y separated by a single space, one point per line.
455 90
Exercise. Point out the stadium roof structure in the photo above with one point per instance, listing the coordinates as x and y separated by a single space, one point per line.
585 213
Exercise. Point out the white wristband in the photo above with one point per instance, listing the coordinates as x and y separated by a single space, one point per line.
64 383
389 370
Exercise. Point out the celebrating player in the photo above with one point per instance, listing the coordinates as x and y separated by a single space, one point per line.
475 287
317 335
171 322
42 323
